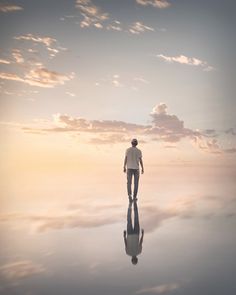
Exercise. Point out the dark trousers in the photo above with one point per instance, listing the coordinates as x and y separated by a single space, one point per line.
130 174
133 229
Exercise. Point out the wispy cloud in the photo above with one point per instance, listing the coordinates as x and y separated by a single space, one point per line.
26 66
17 55
4 61
160 289
43 77
209 146
21 269
154 3
182 59
9 8
49 43
212 146
141 79
139 27
92 14
115 26
40 77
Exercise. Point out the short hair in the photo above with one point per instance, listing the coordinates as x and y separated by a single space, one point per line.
134 141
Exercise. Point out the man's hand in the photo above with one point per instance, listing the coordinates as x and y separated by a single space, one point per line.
124 233
124 170
142 231
142 171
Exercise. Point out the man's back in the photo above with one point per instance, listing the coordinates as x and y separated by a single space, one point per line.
133 155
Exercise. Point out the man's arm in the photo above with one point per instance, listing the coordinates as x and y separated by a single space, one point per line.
125 239
125 163
141 240
141 163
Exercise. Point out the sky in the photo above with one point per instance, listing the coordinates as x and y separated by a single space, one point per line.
78 80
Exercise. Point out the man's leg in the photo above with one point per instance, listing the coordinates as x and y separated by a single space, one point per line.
129 182
136 181
136 219
129 221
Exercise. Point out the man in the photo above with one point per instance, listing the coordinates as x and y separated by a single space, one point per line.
133 245
133 157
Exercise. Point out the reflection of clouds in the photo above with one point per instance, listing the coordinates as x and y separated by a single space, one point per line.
21 269
75 216
160 289
91 216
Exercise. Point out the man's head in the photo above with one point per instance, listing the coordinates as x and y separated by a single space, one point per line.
134 142
134 260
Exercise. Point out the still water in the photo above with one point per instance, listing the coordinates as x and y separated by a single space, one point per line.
67 234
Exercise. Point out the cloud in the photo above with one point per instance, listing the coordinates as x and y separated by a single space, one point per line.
168 128
71 94
230 131
4 61
75 216
139 27
230 150
160 289
49 43
10 76
40 77
17 56
154 3
92 14
84 215
110 139
209 146
140 79
164 127
9 7
115 26
116 81
94 126
21 269
182 59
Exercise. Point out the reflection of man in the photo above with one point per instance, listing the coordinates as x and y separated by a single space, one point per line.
133 157
133 246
